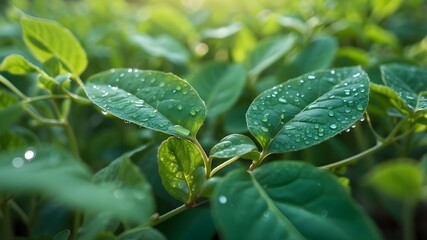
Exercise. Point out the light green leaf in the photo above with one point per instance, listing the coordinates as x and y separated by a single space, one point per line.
399 179
287 200
62 177
10 110
318 54
309 109
181 168
18 65
268 52
221 32
47 39
392 96
155 100
235 145
162 46
219 85
409 82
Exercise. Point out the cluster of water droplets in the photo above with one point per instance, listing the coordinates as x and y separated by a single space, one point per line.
29 155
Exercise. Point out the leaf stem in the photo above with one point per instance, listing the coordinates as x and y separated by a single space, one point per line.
205 157
44 97
224 164
408 219
24 217
12 87
255 164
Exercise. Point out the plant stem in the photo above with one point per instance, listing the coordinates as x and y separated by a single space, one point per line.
24 217
12 87
255 164
44 97
71 138
206 160
408 219
76 225
356 157
224 164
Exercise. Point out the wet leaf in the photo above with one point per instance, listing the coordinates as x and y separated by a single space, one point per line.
309 109
181 168
279 199
155 100
219 85
235 145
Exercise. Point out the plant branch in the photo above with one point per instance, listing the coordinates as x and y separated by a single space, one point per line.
224 164
12 87
205 157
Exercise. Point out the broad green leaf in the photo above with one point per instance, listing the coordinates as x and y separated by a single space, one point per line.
145 234
181 168
18 65
399 179
392 96
219 85
295 23
162 46
318 54
63 235
130 184
235 145
47 39
93 226
244 42
10 110
287 200
309 109
221 32
62 177
380 35
409 82
268 52
155 100
11 140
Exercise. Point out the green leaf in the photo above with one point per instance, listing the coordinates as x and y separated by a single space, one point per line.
268 52
47 39
399 179
18 65
181 168
221 32
309 109
219 85
162 46
235 145
155 100
10 110
145 233
11 140
130 184
63 235
318 54
409 82
94 225
392 96
287 200
62 177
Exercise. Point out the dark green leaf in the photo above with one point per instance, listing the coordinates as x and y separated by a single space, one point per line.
409 82
287 200
269 51
399 179
59 175
155 100
181 168
235 145
143 234
64 235
93 226
309 109
162 46
47 39
219 85
10 110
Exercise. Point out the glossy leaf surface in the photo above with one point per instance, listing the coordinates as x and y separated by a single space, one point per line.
47 39
64 178
309 109
181 168
409 82
392 96
219 85
155 100
268 52
287 200
17 64
235 145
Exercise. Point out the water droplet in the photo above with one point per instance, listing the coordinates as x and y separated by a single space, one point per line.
347 92
104 112
266 214
122 75
331 113
17 162
129 70
333 126
264 129
332 96
184 92
347 110
162 84
180 129
356 74
114 88
179 107
222 199
170 106
178 88
104 94
282 116
362 119
311 77
316 126
347 130
302 81
360 107
332 71
192 112
119 194
282 100
255 108
265 117
151 114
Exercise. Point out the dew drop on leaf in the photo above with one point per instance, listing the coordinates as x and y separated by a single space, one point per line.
333 126
264 129
222 199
